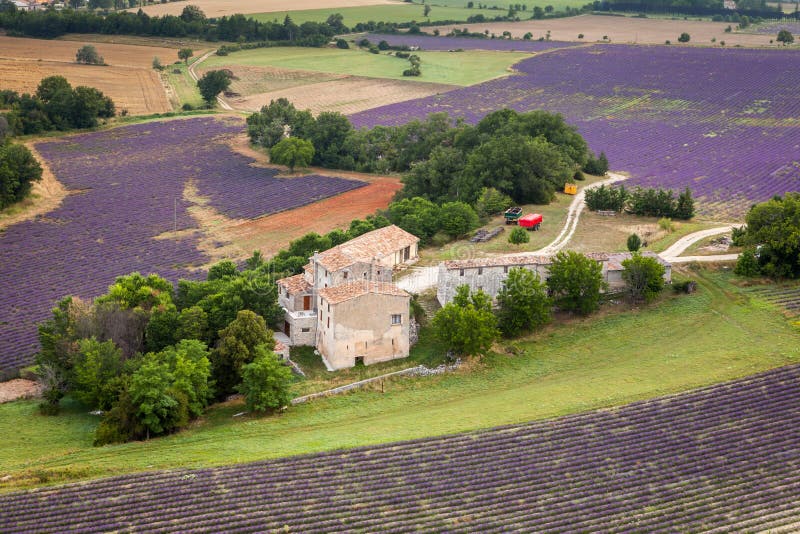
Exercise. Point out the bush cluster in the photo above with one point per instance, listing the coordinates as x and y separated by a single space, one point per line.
771 239
642 201
56 105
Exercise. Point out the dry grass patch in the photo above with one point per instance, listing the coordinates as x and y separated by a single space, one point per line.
218 8
621 30
138 90
345 94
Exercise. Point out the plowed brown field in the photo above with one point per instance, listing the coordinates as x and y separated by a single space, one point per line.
116 55
135 89
218 8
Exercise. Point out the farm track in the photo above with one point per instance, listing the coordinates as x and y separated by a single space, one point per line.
720 459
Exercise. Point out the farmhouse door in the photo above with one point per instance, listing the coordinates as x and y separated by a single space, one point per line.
287 329
307 302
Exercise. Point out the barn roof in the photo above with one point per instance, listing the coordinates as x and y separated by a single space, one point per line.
352 290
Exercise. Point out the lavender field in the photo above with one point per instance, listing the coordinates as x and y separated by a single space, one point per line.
722 459
427 42
725 122
124 187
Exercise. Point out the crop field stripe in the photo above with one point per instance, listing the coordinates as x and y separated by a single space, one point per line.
723 458
671 117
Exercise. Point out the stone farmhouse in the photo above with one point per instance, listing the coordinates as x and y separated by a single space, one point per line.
344 303
489 274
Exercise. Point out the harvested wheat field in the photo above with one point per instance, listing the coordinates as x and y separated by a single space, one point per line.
116 55
621 30
218 8
138 90
318 92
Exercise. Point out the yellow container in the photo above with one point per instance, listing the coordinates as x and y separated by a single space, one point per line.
571 189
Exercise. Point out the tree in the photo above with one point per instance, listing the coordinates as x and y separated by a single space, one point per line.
491 202
747 264
785 37
213 83
189 362
18 171
192 14
596 166
157 63
772 234
457 218
88 55
185 53
50 86
634 243
644 277
89 104
685 206
265 381
156 407
416 215
96 364
237 343
518 236
523 302
292 152
575 282
426 11
684 38
467 325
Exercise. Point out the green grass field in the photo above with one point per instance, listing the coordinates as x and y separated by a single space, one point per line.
558 5
405 12
185 87
455 68
621 355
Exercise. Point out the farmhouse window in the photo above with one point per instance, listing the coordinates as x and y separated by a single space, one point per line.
345 275
505 269
329 322
461 272
480 270
305 330
329 307
406 253
397 318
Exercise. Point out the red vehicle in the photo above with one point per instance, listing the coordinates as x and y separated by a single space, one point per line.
531 221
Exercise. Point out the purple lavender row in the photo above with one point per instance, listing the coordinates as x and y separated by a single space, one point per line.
722 121
723 456
427 42
126 187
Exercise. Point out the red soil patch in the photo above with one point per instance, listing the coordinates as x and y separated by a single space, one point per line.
274 232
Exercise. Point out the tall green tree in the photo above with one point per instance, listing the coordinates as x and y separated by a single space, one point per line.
773 235
458 218
236 347
292 152
523 304
185 53
88 55
575 282
156 405
213 83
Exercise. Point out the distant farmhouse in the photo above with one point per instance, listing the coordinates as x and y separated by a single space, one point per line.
489 274
344 303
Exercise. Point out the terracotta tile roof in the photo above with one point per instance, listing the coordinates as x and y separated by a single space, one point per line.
341 293
295 284
377 243
497 261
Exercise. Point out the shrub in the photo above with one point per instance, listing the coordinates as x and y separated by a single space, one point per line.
665 223
634 243
523 302
644 277
491 202
341 43
518 236
467 325
265 381
575 282
747 264
157 64
596 166
684 38
606 198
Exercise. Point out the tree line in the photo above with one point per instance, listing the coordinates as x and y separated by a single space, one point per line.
771 239
527 156
191 23
650 202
